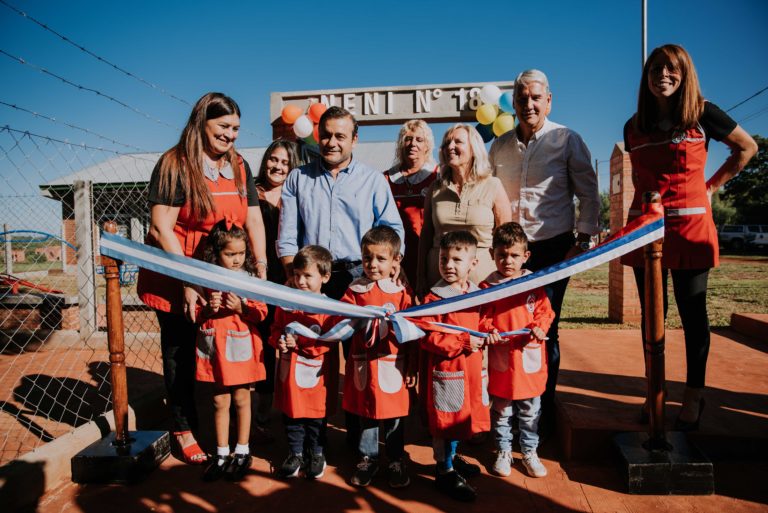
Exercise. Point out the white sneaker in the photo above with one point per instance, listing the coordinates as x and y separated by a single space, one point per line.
503 464
533 465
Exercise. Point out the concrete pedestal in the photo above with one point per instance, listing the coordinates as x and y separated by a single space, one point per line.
681 470
103 462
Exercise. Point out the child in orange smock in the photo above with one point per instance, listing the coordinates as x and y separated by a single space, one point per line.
517 367
230 351
379 371
307 371
457 401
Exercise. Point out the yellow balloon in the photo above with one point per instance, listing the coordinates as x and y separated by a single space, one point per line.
503 124
486 113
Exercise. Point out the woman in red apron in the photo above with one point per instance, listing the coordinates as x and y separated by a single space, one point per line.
194 185
667 139
410 177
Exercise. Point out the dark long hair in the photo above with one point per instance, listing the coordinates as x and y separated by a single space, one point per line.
290 147
184 162
687 104
218 239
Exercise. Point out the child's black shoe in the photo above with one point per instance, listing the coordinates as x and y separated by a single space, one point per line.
238 466
454 485
216 468
291 466
316 467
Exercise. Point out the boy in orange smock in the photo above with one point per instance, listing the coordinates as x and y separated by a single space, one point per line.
307 371
517 368
379 371
457 402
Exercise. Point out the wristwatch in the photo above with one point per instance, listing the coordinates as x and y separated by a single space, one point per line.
585 245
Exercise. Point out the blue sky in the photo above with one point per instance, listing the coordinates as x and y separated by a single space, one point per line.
590 51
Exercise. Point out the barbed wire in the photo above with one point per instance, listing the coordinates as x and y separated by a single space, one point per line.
70 125
84 88
69 143
742 102
97 57
756 114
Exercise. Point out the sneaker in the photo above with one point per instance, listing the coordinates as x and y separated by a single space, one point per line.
239 464
364 472
533 465
316 467
455 486
465 468
291 466
398 474
503 464
216 468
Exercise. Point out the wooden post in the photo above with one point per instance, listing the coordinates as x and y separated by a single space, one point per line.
654 333
116 345
8 249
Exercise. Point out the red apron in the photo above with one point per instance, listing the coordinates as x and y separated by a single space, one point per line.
409 193
457 399
306 378
673 164
229 348
518 369
164 293
374 376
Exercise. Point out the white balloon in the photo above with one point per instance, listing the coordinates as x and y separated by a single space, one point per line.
490 94
302 127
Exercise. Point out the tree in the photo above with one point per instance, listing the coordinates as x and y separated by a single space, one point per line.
723 211
605 210
748 191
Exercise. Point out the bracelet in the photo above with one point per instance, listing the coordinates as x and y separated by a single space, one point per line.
262 262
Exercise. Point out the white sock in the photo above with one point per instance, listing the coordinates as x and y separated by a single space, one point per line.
222 451
242 449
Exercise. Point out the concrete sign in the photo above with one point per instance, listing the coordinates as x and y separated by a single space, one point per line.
394 105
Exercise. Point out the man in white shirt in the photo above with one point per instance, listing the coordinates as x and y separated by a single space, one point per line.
542 166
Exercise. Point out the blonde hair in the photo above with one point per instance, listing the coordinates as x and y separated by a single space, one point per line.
687 104
411 126
481 165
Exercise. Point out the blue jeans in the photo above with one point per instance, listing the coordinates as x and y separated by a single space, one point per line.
528 412
444 451
394 443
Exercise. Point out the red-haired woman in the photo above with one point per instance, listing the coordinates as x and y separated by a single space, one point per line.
194 185
667 140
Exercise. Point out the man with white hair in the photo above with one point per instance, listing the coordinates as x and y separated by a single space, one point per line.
542 166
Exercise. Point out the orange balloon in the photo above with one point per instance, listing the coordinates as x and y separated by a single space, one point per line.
291 113
315 132
315 111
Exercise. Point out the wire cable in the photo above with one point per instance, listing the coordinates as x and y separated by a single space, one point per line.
91 132
84 88
97 57
729 110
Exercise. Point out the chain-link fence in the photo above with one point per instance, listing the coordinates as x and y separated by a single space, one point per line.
53 352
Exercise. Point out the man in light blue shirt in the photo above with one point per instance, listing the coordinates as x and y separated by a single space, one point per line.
333 201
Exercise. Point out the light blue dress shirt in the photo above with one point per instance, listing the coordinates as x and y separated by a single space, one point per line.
335 214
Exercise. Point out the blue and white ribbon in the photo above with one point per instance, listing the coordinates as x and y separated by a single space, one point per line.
207 275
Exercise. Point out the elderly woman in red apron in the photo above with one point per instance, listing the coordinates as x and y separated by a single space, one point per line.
667 140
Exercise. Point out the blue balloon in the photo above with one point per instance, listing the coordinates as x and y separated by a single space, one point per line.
486 132
507 102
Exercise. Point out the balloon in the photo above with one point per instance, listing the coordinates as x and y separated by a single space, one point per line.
302 127
310 140
315 111
507 101
486 113
490 93
503 124
485 132
291 113
316 134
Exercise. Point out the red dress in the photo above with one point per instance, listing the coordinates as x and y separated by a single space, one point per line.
409 193
457 400
374 384
229 348
673 164
164 293
306 378
518 369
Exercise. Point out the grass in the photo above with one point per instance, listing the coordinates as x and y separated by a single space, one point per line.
740 284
